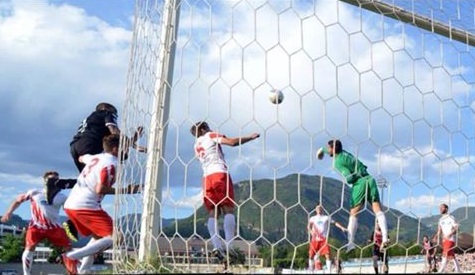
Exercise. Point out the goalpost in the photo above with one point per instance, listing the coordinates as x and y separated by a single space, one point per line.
394 80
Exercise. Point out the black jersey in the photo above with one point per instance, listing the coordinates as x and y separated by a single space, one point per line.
95 126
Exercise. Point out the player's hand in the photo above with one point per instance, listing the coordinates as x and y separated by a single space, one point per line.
255 135
134 188
139 131
5 218
320 153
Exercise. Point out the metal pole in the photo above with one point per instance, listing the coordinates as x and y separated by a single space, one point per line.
151 218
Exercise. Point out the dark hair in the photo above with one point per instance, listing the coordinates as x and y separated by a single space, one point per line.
110 141
336 145
445 206
47 174
103 106
197 127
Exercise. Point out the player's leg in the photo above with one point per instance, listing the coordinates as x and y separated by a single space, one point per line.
376 263
27 260
32 238
443 262
385 262
87 261
325 250
451 255
99 223
75 155
211 200
311 255
227 204
358 194
373 194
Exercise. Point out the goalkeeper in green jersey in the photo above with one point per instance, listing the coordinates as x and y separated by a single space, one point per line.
363 189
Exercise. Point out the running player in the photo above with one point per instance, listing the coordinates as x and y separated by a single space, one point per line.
218 188
44 223
83 205
447 229
318 226
364 188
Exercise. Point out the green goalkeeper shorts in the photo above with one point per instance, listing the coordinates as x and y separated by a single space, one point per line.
364 189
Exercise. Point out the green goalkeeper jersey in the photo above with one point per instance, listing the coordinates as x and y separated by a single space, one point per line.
348 166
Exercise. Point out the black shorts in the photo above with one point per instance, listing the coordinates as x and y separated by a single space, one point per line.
84 146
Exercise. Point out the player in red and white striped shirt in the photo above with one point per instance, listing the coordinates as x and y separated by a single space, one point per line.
218 191
44 223
83 205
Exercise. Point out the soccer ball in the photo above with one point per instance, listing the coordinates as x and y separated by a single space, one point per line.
276 96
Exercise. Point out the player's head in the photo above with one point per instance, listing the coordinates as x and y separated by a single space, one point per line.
50 175
103 106
443 208
319 209
199 128
334 147
111 144
425 238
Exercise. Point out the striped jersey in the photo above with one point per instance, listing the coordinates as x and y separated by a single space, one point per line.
43 215
100 170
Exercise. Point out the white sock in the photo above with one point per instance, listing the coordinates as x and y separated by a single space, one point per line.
383 225
229 227
86 264
456 265
329 266
311 265
87 261
212 227
91 248
352 226
27 260
442 265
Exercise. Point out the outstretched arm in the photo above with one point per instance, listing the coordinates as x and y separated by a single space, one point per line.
15 204
239 140
108 190
339 225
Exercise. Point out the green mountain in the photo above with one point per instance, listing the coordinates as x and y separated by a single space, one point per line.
271 212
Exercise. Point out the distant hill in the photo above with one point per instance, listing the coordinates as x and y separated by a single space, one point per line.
16 221
271 213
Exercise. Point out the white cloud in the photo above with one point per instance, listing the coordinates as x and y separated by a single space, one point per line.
62 54
428 204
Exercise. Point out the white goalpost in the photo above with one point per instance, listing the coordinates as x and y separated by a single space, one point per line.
393 80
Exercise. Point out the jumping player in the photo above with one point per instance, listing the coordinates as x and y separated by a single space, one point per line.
44 223
364 188
318 226
83 205
91 131
218 188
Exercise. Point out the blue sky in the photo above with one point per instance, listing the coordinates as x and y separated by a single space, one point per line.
399 99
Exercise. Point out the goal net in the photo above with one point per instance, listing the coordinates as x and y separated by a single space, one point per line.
393 80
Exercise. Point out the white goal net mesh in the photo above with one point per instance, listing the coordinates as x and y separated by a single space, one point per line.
400 97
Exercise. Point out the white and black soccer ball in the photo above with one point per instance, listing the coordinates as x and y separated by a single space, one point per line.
276 96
